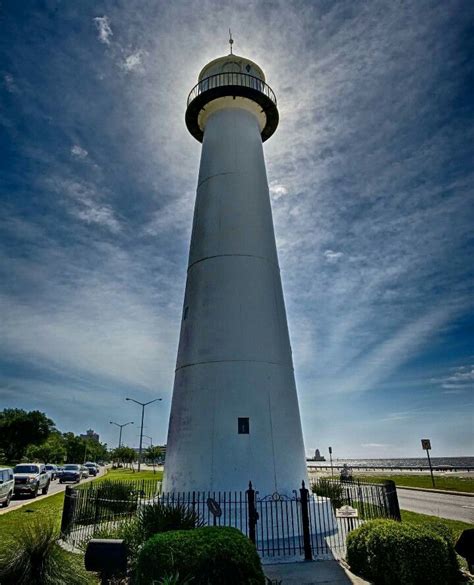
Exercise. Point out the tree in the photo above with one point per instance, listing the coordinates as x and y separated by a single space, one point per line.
53 450
124 455
19 428
154 453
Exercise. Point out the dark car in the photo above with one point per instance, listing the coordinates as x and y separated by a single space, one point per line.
71 472
92 468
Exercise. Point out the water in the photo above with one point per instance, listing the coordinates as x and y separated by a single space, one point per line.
407 462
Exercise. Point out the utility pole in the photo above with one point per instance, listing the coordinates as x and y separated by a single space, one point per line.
142 404
121 427
330 459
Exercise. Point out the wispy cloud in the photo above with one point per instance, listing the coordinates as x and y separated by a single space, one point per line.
102 24
134 61
368 179
79 152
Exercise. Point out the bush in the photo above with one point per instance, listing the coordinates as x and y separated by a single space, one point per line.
390 553
35 558
210 556
117 497
357 555
329 489
159 517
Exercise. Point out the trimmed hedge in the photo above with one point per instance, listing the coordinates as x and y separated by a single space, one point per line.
210 555
390 553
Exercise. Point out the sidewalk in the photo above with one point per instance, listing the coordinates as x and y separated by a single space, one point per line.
312 573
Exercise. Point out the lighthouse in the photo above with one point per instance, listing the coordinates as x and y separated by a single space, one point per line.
234 415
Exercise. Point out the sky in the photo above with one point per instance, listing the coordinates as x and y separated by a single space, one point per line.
371 182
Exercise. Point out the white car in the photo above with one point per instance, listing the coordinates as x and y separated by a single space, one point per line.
7 486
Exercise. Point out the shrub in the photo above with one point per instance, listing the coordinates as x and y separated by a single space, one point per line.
117 497
357 555
35 558
209 555
159 517
329 489
390 553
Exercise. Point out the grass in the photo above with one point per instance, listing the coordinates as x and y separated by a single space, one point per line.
449 483
50 507
129 475
455 525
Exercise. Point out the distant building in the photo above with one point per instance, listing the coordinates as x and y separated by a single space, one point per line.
91 435
318 456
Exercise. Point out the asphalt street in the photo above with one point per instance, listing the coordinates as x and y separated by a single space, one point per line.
54 488
434 504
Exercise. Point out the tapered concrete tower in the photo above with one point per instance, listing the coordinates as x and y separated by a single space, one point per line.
234 414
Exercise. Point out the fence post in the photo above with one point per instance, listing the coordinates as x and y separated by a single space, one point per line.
391 492
252 512
308 554
68 510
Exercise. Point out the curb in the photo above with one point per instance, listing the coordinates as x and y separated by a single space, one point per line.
434 491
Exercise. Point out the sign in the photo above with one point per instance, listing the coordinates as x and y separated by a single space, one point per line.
426 444
214 508
347 512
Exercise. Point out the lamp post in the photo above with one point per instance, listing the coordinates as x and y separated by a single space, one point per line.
142 404
121 427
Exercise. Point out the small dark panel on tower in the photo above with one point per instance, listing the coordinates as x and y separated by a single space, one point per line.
185 314
248 68
243 426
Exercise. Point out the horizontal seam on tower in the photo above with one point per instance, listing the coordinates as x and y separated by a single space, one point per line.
237 255
212 176
234 361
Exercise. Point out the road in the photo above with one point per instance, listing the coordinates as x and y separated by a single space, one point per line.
54 488
442 505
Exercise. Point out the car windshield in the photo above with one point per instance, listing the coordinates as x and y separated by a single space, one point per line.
49 467
90 465
26 469
71 467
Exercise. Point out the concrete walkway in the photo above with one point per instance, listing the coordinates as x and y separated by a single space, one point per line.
311 573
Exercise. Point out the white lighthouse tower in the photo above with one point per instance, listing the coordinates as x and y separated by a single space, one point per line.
234 414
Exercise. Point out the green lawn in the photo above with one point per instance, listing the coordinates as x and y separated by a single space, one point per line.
450 483
456 525
129 475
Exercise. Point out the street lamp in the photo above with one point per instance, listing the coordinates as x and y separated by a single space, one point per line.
151 439
142 404
121 427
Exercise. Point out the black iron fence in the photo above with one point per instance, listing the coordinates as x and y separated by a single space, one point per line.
311 524
230 78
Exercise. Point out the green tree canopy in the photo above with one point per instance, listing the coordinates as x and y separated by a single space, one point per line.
19 429
53 450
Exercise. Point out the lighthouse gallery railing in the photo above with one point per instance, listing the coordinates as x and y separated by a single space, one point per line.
230 79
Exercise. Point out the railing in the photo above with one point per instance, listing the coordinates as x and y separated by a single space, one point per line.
302 524
313 466
229 79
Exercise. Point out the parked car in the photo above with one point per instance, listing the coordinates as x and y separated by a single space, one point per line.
84 472
7 486
30 478
92 468
71 472
53 470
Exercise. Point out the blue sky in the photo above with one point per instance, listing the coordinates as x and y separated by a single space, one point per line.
371 180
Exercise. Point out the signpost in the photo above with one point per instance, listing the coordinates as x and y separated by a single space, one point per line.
330 459
426 446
